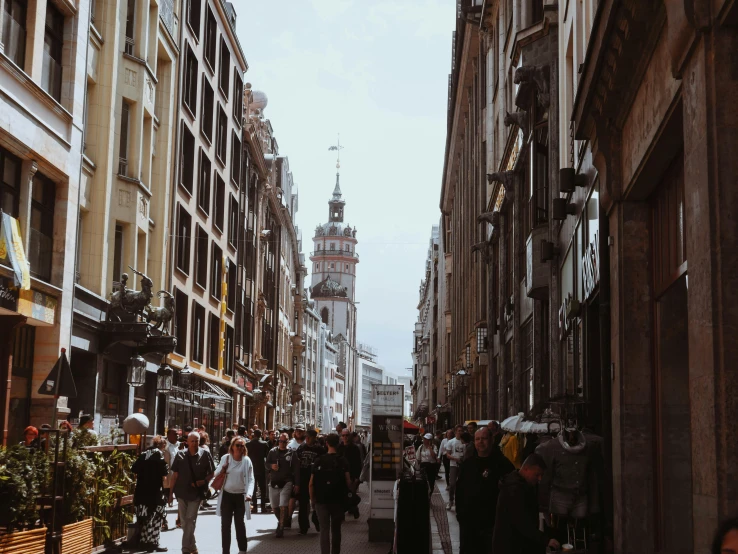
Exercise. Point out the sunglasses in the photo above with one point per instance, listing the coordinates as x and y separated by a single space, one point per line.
283 441
240 446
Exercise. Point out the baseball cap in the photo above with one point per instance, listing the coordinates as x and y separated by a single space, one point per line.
428 436
299 427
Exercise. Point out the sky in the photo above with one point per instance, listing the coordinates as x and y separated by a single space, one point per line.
375 71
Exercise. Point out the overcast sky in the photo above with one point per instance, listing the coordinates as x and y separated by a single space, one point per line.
375 71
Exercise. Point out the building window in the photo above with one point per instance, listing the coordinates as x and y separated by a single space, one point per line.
221 138
211 35
216 272
125 118
118 253
228 354
42 227
224 76
324 315
189 87
235 159
201 257
237 96
184 228
198 333
14 31
207 115
187 159
527 335
214 351
219 203
130 26
203 185
233 223
232 286
194 9
10 172
181 301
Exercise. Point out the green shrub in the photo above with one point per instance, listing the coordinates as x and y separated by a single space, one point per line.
22 472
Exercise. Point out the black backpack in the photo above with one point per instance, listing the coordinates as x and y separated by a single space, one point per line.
329 480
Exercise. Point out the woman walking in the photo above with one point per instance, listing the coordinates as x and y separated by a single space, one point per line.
150 469
234 499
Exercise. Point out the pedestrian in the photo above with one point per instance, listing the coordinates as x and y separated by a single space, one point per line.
340 427
357 441
272 441
205 441
236 493
226 444
148 497
426 459
307 454
241 430
170 451
30 437
516 522
726 538
442 451
468 440
496 430
476 494
297 440
329 485
455 450
353 456
193 469
258 450
284 475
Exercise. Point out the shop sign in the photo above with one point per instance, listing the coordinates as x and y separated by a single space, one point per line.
591 266
569 310
8 295
240 381
37 305
386 462
249 386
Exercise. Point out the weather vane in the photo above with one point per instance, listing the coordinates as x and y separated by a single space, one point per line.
338 149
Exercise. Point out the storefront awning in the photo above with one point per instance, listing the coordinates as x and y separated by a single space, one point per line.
217 392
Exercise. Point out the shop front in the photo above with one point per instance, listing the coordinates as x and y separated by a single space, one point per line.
195 402
244 410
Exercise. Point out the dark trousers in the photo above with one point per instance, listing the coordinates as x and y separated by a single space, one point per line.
260 483
474 540
330 517
446 468
303 516
431 471
232 508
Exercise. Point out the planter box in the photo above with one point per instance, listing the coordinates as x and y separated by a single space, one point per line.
77 537
24 542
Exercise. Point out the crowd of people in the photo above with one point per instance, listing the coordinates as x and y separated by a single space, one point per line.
283 470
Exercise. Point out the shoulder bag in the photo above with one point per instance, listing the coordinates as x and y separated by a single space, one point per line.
220 479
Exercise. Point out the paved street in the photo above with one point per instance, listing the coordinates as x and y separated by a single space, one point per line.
260 530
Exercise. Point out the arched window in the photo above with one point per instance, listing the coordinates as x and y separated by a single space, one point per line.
324 315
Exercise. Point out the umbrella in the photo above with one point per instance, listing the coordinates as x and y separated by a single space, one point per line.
60 381
410 428
513 423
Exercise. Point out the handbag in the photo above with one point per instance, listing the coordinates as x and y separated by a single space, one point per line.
220 479
203 492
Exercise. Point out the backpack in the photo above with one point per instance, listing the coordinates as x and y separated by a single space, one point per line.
329 480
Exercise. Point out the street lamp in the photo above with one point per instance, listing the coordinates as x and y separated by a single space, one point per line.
164 378
137 372
185 376
462 378
468 356
481 340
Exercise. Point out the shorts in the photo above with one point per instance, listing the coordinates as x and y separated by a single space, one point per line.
280 498
568 503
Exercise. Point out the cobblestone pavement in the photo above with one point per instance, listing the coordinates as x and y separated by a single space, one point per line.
445 533
260 530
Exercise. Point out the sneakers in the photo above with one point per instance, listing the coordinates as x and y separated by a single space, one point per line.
280 532
449 505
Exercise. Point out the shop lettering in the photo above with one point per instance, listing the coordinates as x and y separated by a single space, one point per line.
591 266
564 322
388 393
388 427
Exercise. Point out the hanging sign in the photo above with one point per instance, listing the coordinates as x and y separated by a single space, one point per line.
8 295
591 266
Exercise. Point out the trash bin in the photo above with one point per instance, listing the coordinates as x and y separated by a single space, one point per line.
413 514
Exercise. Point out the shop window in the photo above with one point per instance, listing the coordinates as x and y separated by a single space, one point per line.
232 286
184 230
216 272
211 36
203 184
14 31
224 76
181 301
219 203
42 227
189 86
201 257
221 138
208 111
233 223
235 159
194 11
187 159
214 351
10 172
198 333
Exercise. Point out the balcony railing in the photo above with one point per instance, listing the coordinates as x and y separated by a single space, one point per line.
123 167
341 253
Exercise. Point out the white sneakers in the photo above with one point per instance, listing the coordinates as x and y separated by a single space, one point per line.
449 505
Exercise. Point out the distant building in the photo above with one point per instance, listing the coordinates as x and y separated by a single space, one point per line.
408 402
370 373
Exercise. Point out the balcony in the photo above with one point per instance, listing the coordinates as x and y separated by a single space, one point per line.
339 253
168 17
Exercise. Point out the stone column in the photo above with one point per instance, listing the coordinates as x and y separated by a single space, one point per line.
28 169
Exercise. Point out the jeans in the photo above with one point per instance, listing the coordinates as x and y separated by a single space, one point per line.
446 468
188 510
303 516
452 483
232 507
260 483
330 517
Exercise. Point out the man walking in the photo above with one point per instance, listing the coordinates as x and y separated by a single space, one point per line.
192 470
226 444
455 450
257 452
352 454
516 524
496 432
297 440
442 451
329 484
307 454
284 475
476 494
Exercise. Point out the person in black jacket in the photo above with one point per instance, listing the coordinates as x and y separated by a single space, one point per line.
307 453
257 452
352 454
150 468
476 493
516 524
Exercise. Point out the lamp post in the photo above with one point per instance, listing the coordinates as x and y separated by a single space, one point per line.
137 372
185 376
164 378
481 340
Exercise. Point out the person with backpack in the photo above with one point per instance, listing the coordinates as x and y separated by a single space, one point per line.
284 475
307 453
329 486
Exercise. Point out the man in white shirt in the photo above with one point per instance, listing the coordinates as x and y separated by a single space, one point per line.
455 449
442 451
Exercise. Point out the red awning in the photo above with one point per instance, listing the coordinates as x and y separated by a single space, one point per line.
409 427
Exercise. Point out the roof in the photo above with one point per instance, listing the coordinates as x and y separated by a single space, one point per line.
329 288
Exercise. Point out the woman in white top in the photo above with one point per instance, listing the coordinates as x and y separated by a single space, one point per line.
234 500
427 460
